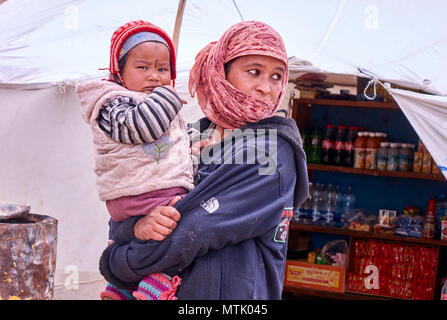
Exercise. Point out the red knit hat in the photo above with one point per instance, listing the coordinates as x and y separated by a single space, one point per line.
128 29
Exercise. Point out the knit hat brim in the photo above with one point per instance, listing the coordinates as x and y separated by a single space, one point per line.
129 29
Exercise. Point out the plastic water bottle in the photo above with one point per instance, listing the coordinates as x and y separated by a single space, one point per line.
348 202
308 205
304 213
444 291
316 203
328 205
338 206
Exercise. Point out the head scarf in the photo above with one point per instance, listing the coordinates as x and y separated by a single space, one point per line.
220 101
124 32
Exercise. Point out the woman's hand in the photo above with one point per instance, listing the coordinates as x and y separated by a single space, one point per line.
197 146
158 223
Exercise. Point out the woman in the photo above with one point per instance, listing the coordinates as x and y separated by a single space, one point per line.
231 240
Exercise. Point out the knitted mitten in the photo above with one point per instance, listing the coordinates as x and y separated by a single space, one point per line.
157 286
113 293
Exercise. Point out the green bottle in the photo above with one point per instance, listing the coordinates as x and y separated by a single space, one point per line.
306 140
319 259
315 147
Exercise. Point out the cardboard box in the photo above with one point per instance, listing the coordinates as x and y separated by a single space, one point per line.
421 146
426 163
417 162
308 94
385 217
314 276
434 168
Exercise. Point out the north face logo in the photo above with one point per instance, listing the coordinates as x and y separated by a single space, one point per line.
210 205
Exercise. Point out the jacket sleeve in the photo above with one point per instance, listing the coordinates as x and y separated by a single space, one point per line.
127 121
242 205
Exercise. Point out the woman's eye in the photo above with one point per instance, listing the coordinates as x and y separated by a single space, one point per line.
163 69
142 67
254 72
276 77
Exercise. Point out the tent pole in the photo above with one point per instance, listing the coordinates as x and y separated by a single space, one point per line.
178 23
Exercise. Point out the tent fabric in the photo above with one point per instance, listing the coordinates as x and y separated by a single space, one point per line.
428 116
56 40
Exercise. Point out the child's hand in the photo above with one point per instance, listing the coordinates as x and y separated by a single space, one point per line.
159 223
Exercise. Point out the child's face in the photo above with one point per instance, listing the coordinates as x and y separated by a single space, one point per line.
147 67
258 76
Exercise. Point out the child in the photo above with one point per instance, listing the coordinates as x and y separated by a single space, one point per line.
142 150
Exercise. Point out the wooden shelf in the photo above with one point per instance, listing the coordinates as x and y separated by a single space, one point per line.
330 295
350 103
396 174
302 114
363 234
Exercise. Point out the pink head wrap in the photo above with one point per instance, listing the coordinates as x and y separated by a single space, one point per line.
220 101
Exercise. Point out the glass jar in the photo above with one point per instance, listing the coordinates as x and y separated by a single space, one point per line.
393 157
382 156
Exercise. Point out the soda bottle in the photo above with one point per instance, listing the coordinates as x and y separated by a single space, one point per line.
315 147
327 146
339 145
348 148
430 220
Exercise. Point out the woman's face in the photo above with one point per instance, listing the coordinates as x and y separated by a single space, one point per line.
147 67
258 76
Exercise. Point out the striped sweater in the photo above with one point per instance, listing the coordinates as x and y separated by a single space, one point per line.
140 139
126 120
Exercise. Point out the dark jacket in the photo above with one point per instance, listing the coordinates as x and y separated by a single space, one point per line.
231 240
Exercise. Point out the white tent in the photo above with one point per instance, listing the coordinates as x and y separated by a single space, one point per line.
46 156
